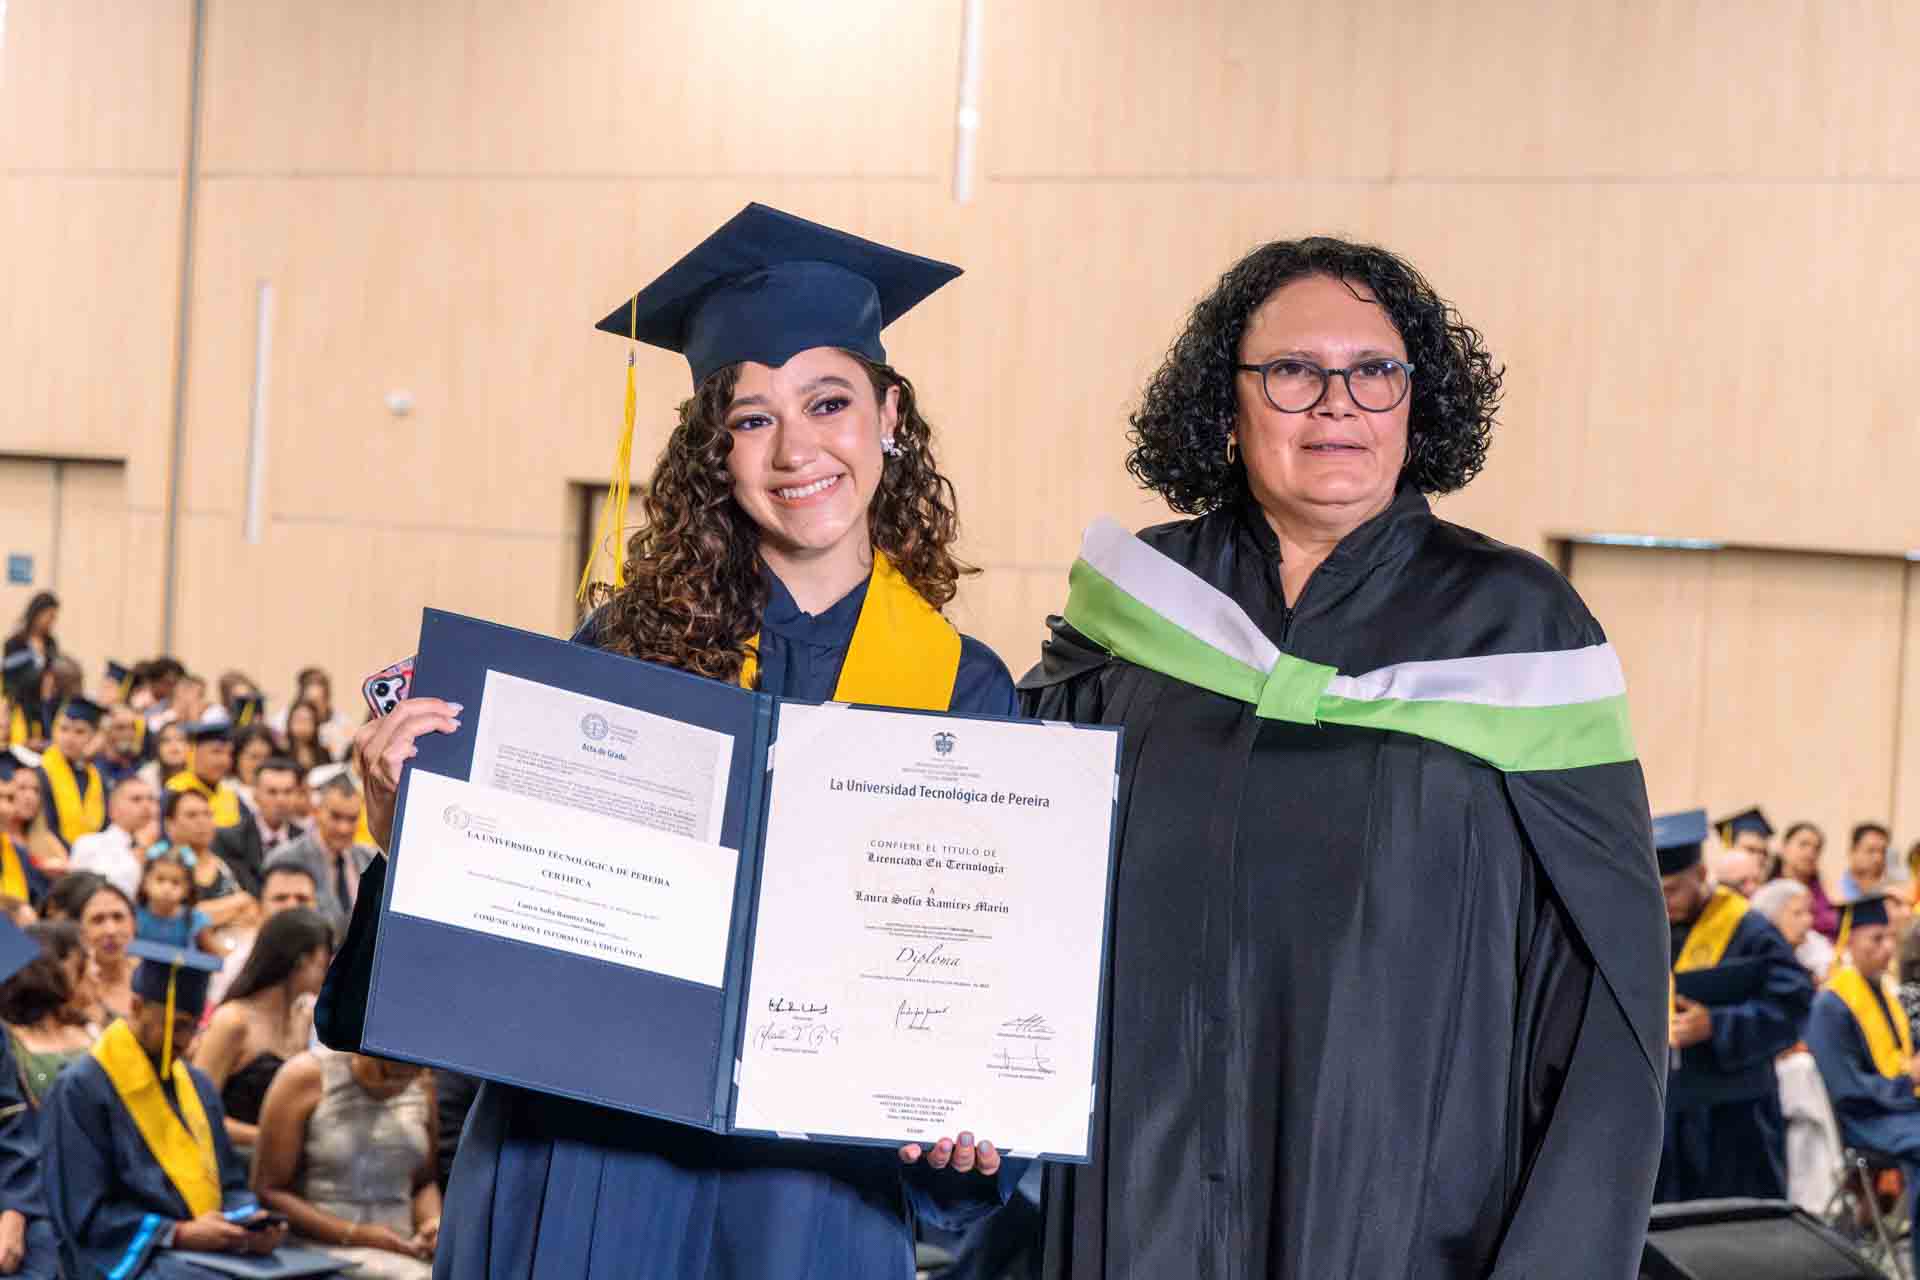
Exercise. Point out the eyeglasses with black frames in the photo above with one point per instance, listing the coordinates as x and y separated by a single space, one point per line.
1293 385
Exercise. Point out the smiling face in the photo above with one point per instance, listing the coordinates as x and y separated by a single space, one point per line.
1335 463
806 457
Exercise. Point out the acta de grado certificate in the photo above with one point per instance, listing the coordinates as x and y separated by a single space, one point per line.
929 941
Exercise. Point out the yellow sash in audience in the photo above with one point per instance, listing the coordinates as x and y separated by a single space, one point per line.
17 729
903 654
225 801
74 814
1712 931
13 873
184 1152
1890 1046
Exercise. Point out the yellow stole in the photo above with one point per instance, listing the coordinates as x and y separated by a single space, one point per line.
1890 1046
74 814
17 729
184 1152
13 873
225 801
1707 941
903 653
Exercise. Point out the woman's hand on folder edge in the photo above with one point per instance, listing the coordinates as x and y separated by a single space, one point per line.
961 1155
382 748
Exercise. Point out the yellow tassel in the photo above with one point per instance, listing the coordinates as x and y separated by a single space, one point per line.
613 516
166 1040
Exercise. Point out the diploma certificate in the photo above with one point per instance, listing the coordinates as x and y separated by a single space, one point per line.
930 937
628 886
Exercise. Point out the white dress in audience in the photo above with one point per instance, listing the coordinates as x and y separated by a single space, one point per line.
1815 954
360 1157
110 853
1813 1137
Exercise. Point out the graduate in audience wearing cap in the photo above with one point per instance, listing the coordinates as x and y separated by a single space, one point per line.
138 1165
28 1246
208 769
1863 1044
1750 832
73 795
1740 998
19 877
796 539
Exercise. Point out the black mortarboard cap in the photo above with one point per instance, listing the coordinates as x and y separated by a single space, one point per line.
246 709
210 731
190 971
1867 909
118 672
768 285
1677 838
9 765
17 950
1745 820
85 710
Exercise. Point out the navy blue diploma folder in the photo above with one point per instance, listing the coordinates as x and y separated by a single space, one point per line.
552 1020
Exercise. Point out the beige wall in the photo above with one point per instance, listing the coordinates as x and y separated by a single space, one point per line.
1686 230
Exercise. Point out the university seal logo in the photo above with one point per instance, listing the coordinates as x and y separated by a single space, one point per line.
943 743
456 817
594 725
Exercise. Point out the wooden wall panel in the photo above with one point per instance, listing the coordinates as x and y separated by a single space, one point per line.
27 510
88 282
1759 678
94 86
94 622
1905 813
1382 90
589 87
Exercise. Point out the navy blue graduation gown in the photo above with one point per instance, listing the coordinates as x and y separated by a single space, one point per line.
1725 1135
552 1189
111 1202
20 1187
1873 1110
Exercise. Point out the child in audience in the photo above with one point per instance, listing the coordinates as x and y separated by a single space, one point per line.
167 896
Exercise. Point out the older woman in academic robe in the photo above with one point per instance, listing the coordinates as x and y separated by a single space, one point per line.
1388 985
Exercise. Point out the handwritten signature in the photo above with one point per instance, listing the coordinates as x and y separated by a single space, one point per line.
915 958
914 1018
780 1004
1032 1060
1032 1025
805 1035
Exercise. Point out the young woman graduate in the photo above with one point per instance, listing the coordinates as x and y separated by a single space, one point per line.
796 539
1388 989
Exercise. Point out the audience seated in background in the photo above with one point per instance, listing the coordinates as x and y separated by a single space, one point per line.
305 741
209 772
246 846
133 823
253 746
115 1199
1789 905
347 1153
267 1017
18 911
27 827
230 908
1740 870
328 850
1866 862
170 749
119 755
1800 851
106 917
1864 1046
166 911
28 1245
287 886
72 795
19 877
39 1006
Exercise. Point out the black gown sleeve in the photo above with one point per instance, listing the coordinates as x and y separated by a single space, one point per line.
340 1014
20 1188
1587 1192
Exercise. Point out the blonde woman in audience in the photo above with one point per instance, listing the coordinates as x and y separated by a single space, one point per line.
266 1018
1789 905
346 1152
37 1005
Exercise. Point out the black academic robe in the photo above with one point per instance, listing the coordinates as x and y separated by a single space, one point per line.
554 1189
1375 1007
21 1190
110 1201
1873 1111
1725 1135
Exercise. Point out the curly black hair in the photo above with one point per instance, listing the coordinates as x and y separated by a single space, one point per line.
1179 433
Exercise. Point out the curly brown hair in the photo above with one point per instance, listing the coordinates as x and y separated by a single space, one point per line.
694 587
